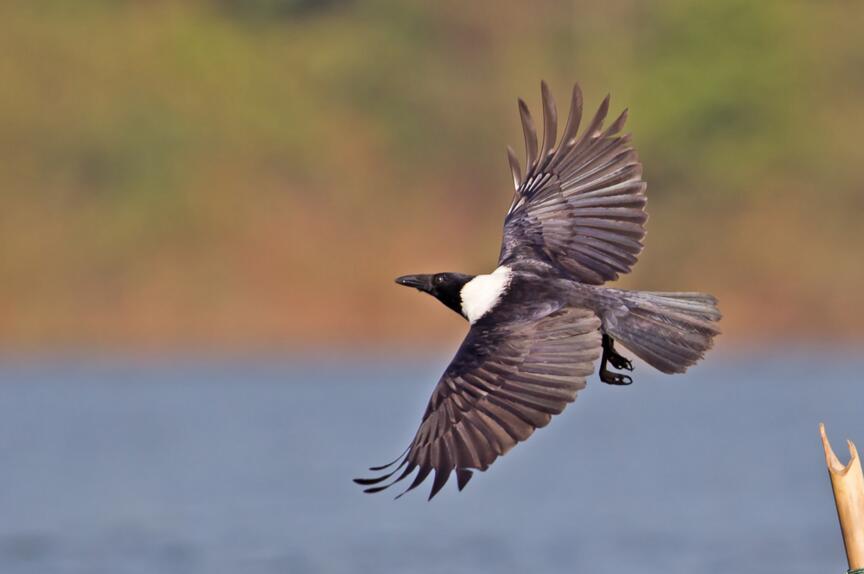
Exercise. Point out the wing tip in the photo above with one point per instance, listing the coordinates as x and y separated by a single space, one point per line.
462 478
515 168
442 475
550 122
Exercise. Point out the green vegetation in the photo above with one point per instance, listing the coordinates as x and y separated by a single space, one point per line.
221 172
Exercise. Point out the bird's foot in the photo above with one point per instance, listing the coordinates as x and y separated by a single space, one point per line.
617 361
620 362
611 378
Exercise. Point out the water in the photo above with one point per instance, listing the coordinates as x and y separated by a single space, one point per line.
205 466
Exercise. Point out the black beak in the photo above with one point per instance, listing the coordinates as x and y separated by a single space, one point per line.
421 282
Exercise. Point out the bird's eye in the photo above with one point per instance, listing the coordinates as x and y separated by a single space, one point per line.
439 279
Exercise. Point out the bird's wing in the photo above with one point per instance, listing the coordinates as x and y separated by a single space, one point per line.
506 380
581 203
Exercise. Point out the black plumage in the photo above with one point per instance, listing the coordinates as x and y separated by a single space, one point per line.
541 320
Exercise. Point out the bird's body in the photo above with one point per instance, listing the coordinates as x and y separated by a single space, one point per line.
542 318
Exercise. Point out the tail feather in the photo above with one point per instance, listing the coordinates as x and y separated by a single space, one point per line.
669 331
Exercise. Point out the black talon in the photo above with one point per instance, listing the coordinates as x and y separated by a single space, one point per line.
611 378
620 362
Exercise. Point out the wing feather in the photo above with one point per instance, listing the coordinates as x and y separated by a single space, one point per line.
527 372
550 122
530 133
580 205
515 169
573 120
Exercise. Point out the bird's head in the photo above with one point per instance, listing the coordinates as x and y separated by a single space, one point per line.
446 287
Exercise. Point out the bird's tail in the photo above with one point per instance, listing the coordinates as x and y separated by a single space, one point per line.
669 331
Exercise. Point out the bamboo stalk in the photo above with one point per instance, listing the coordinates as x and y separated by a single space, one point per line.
848 484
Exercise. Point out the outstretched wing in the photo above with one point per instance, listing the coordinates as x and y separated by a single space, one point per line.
506 380
581 204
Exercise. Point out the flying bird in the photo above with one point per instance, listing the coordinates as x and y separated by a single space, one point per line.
540 321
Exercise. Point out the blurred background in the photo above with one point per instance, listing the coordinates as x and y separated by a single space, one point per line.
204 205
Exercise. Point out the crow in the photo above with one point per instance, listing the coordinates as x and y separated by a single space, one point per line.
541 319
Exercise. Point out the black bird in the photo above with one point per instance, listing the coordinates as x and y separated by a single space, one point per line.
541 319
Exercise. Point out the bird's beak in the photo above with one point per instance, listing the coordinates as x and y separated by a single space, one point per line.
421 282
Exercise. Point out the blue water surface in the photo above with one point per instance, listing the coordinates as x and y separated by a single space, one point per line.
201 465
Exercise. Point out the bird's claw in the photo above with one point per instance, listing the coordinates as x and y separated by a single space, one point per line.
620 362
611 378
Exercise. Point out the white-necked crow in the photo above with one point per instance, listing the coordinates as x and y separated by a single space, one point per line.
541 320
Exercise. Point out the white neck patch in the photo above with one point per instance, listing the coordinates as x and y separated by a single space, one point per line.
481 294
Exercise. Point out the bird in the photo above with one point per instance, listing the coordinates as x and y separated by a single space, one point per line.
542 318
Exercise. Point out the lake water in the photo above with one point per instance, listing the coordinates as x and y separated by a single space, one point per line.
245 466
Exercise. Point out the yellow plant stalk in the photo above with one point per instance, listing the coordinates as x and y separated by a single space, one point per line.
848 484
